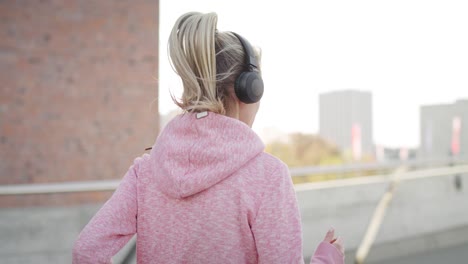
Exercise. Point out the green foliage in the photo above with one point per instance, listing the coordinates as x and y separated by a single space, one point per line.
302 150
306 150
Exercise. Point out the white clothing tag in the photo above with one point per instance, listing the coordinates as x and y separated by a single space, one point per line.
202 114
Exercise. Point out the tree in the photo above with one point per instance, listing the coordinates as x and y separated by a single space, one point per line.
306 150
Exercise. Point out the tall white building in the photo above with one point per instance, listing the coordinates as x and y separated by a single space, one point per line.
444 130
346 120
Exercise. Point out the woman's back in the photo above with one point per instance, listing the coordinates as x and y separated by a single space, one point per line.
210 192
207 193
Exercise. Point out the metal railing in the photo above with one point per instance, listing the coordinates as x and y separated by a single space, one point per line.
378 166
65 187
111 185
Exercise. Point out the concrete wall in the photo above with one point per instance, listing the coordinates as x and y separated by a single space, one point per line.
41 234
427 213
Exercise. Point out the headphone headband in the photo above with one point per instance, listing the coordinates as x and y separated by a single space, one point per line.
250 58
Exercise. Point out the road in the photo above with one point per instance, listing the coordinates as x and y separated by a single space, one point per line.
452 255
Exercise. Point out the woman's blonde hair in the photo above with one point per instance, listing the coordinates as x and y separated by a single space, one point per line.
207 61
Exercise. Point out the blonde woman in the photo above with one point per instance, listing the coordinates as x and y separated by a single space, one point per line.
207 192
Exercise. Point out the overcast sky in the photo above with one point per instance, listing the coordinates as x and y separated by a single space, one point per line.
406 53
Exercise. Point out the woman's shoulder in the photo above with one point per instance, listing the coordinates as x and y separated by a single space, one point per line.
141 164
273 167
273 162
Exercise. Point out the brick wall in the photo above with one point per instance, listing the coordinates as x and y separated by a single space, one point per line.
78 92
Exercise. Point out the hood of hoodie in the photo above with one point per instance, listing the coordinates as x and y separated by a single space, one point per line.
192 154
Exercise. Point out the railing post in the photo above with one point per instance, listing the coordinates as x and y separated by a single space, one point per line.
377 218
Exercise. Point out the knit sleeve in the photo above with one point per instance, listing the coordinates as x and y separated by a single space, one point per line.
277 225
326 253
112 226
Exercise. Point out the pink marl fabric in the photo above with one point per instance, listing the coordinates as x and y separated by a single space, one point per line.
207 193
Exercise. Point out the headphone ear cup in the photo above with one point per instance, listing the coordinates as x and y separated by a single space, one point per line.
249 87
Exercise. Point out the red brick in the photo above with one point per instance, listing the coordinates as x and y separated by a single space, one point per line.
77 83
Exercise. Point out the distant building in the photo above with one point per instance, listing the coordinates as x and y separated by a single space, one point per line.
444 130
398 154
346 120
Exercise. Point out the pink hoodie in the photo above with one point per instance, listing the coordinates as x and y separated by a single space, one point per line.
207 193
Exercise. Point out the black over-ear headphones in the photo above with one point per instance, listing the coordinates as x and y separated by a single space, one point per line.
249 84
